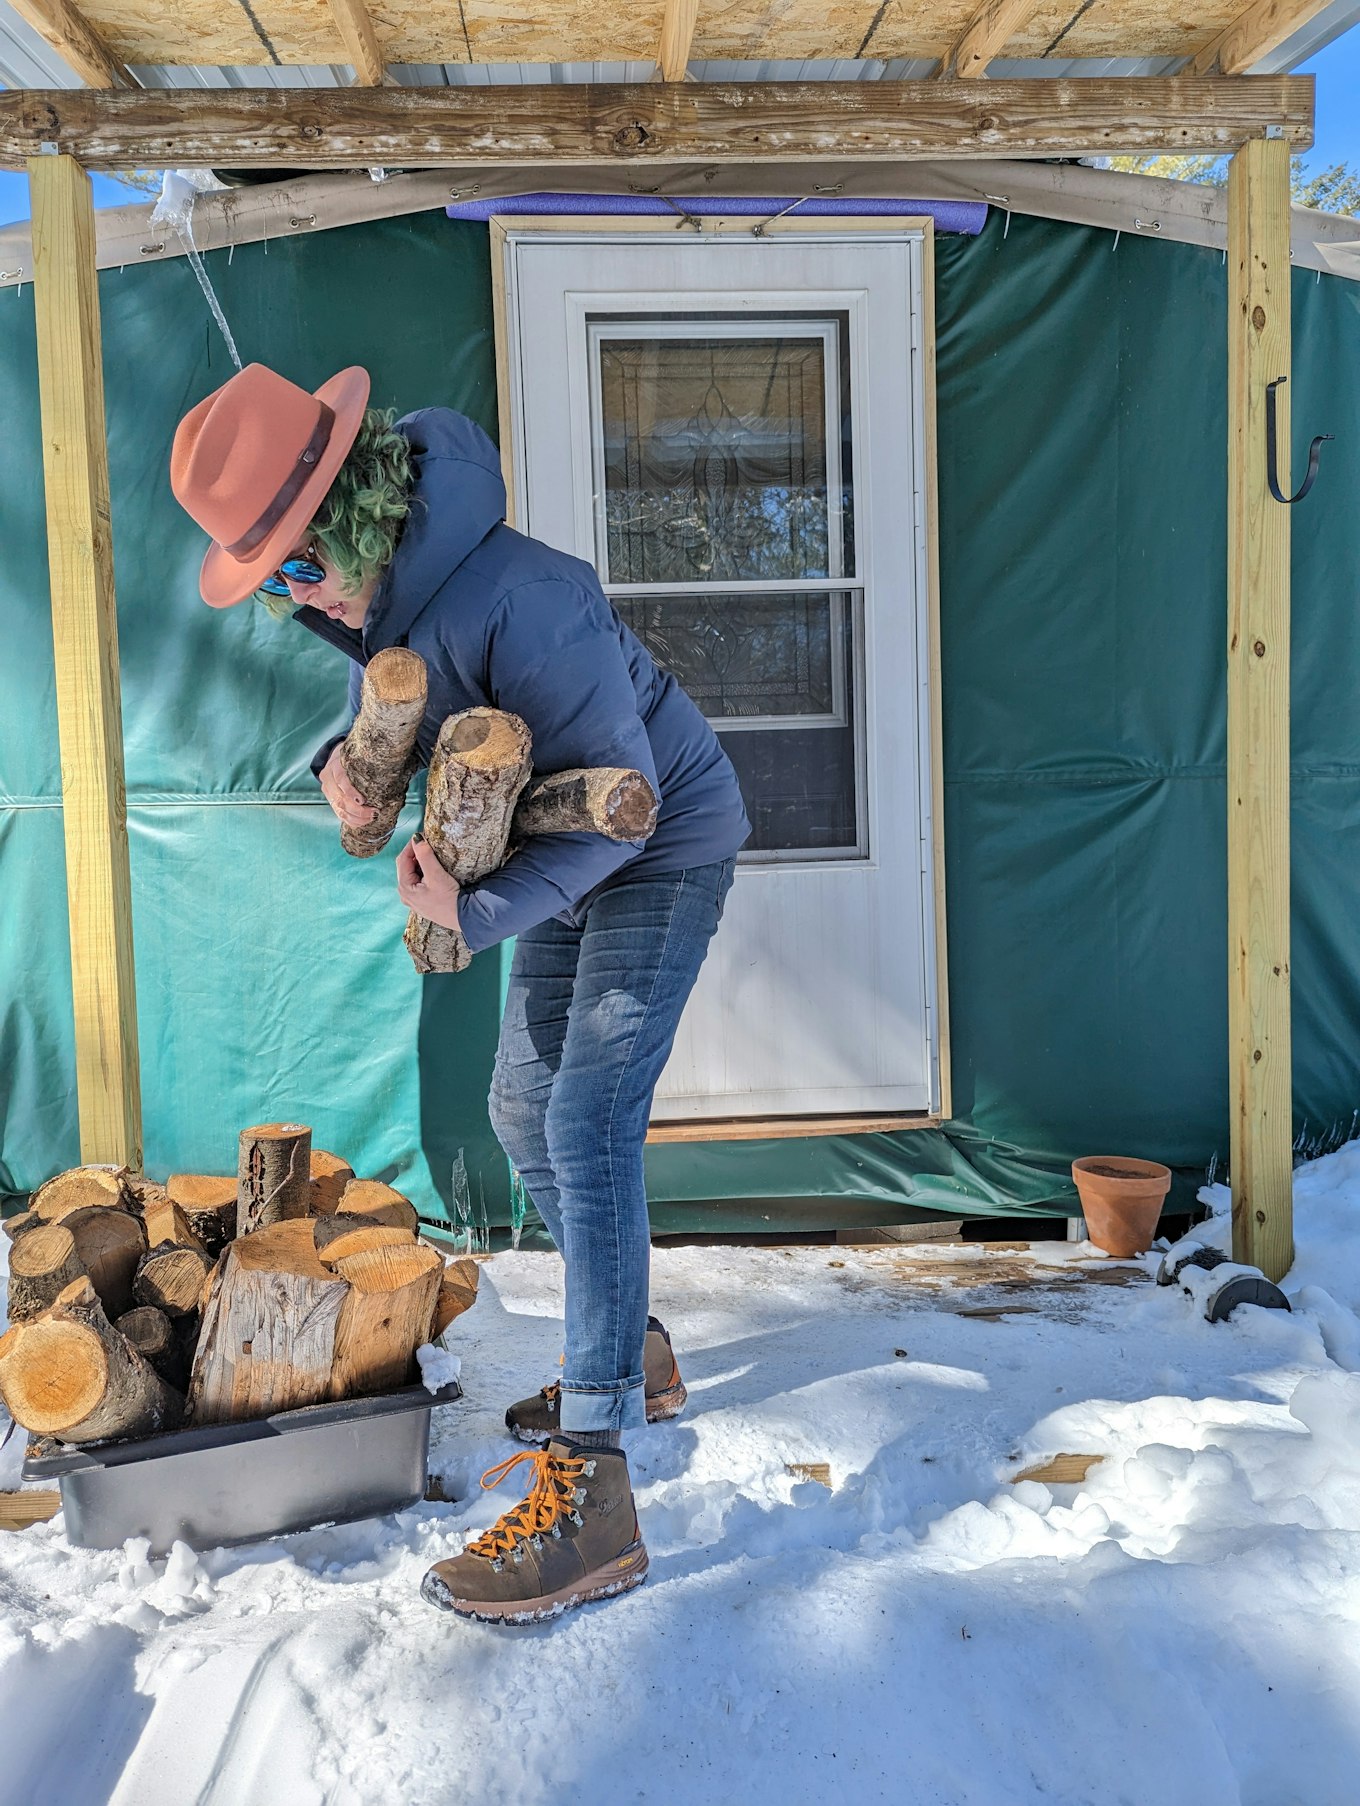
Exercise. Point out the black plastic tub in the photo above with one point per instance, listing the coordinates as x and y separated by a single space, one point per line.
238 1482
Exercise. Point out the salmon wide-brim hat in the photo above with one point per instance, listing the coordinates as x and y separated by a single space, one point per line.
252 464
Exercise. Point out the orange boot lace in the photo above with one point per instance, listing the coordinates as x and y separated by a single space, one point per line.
553 1495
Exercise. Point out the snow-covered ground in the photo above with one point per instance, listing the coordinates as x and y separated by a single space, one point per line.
1183 1627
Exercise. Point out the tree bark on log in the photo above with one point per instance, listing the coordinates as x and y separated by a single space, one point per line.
70 1374
385 1318
330 1175
81 1188
273 1175
457 1293
209 1205
597 800
267 1342
481 762
41 1264
15 1226
379 754
350 1233
378 1203
109 1243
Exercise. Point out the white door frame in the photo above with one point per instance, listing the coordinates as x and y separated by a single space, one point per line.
509 230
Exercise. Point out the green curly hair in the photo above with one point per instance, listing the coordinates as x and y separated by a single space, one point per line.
360 521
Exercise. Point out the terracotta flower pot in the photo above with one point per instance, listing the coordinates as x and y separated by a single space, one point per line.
1121 1200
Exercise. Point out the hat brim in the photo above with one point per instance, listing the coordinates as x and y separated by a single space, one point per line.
224 581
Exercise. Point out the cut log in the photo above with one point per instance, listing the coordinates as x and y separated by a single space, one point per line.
379 755
209 1205
164 1222
159 1341
330 1175
385 1318
344 1233
379 1203
41 1264
598 800
82 1188
109 1243
268 1337
15 1226
457 1293
142 1191
481 762
69 1373
171 1279
273 1175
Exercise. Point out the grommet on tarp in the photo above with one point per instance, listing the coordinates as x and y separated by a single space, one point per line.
1272 450
1200 1273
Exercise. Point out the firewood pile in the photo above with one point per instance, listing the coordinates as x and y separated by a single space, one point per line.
137 1307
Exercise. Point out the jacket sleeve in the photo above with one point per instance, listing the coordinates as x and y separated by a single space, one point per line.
554 657
356 681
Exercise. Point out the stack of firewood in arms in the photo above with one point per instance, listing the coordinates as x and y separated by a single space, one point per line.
137 1307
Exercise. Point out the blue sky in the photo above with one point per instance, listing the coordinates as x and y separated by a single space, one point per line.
1338 127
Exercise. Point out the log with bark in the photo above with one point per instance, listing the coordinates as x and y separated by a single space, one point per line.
348 1232
480 764
24 1219
267 1340
209 1205
379 754
385 1318
41 1264
379 1203
109 1244
457 1293
329 1177
273 1175
165 1344
71 1374
598 800
81 1188
171 1278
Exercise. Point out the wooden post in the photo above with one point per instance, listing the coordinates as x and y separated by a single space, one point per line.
85 644
1258 714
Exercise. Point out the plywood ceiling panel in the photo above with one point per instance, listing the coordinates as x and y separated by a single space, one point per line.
1121 28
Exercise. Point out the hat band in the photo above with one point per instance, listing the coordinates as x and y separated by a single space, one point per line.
292 488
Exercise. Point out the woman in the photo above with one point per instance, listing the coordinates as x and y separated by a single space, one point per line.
372 534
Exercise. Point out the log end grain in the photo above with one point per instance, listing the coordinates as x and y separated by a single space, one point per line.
378 1203
329 1177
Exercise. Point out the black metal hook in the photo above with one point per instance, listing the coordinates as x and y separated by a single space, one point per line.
1272 458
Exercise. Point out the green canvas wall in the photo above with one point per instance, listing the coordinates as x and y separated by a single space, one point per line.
1082 510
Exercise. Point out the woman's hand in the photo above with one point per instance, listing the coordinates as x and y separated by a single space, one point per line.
341 794
424 885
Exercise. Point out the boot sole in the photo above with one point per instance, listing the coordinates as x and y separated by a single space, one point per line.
660 1407
626 1571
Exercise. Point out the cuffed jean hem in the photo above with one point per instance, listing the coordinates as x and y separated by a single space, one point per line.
621 1406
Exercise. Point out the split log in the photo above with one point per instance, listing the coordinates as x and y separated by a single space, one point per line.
457 1293
379 1203
159 1341
81 1188
597 800
379 754
273 1175
142 1191
209 1206
481 763
385 1318
164 1221
109 1243
15 1226
329 1175
268 1337
349 1233
171 1279
41 1264
70 1374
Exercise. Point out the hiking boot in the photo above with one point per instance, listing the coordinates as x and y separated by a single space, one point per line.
536 1419
575 1537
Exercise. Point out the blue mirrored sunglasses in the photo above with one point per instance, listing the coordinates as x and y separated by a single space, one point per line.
301 570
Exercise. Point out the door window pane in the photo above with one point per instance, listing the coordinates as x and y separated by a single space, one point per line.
716 463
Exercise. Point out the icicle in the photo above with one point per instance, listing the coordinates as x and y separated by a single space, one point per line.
179 190
519 1204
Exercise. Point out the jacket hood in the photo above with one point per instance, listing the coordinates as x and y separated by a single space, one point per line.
457 498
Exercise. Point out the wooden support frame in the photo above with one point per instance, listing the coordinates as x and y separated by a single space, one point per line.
1259 1048
711 122
85 647
361 41
1258 31
677 39
989 31
75 40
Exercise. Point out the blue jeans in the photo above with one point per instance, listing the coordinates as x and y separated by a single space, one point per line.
589 1021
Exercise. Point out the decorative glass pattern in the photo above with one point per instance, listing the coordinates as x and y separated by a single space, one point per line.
715 459
764 655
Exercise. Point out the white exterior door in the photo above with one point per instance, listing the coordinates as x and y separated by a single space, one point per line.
731 429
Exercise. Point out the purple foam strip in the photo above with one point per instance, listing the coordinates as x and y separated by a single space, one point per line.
949 216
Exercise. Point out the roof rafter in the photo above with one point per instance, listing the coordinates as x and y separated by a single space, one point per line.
677 37
1261 29
71 35
361 41
989 30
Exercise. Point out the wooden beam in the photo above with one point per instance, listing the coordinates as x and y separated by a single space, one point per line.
677 36
1258 714
719 122
991 28
75 40
361 41
785 1128
85 648
1254 34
